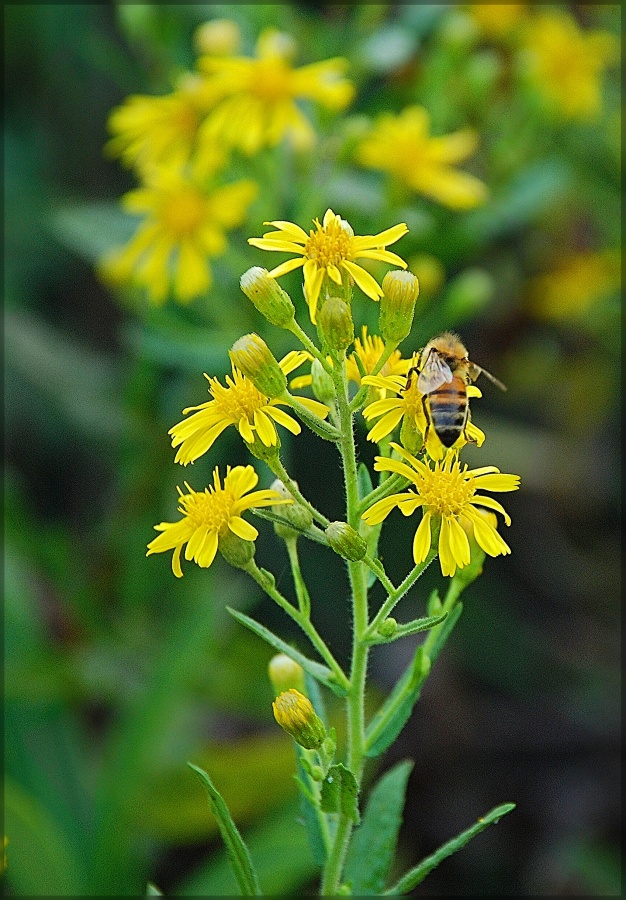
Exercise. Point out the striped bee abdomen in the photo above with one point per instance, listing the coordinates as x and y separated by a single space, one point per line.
448 410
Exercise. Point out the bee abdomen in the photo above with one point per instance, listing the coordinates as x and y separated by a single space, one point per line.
448 412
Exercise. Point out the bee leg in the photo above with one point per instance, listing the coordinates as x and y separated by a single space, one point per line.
427 417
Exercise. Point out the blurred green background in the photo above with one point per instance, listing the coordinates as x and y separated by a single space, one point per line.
115 672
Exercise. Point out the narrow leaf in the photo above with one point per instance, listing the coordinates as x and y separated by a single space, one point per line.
364 480
416 875
311 814
413 627
237 851
340 792
317 670
393 715
373 846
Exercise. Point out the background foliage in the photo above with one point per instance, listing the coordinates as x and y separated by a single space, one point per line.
116 673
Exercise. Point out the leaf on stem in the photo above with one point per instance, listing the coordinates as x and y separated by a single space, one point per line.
340 792
364 481
237 851
322 673
373 846
393 715
311 813
416 875
413 627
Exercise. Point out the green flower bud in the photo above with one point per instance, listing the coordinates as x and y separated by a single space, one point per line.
335 324
346 541
285 674
267 296
397 305
322 383
295 714
254 358
411 437
388 627
298 515
235 550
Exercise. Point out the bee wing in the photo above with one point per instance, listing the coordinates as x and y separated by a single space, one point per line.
435 373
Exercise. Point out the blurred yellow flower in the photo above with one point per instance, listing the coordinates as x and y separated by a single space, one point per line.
369 348
498 19
328 252
184 224
446 492
148 131
242 405
258 95
579 282
566 63
210 514
409 404
401 145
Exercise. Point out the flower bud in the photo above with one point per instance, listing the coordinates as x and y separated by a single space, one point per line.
285 674
298 515
346 541
218 37
254 358
411 437
335 324
295 714
322 383
267 296
397 305
236 550
388 627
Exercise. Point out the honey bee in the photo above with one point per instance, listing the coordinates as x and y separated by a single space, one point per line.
443 378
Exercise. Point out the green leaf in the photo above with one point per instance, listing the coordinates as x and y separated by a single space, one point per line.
393 715
311 815
317 670
416 875
238 852
364 481
373 846
340 792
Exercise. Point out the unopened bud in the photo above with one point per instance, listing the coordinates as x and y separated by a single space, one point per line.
388 627
219 37
267 296
346 541
296 514
285 674
254 358
322 383
397 305
335 323
236 550
295 714
411 437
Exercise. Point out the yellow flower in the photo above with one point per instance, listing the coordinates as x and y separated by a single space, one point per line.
369 348
566 63
258 95
242 405
409 404
294 712
211 514
148 131
446 492
498 19
580 281
402 146
184 224
328 252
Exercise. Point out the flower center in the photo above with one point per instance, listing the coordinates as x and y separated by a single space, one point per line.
330 244
183 210
239 400
271 80
446 490
212 509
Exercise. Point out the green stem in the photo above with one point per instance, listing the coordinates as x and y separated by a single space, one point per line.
388 486
361 394
306 342
304 600
281 472
303 621
397 594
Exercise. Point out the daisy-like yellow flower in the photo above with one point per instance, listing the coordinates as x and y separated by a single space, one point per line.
446 491
242 405
258 106
566 63
184 225
369 348
402 146
328 252
409 403
148 131
211 514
